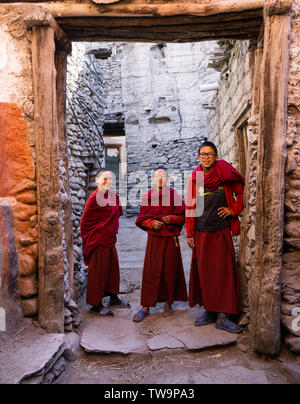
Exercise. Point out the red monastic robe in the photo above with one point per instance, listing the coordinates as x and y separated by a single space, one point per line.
214 277
99 226
163 274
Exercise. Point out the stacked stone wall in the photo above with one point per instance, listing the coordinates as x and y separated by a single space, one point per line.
156 90
232 101
112 83
85 117
232 106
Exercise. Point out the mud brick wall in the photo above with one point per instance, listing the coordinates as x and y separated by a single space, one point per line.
18 200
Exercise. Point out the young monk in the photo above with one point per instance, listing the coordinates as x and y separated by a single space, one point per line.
162 216
99 227
214 278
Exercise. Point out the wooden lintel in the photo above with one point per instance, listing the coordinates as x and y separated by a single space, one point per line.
35 15
103 23
105 1
160 36
154 21
75 9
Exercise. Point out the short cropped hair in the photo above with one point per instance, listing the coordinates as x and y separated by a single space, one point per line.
210 144
160 168
103 170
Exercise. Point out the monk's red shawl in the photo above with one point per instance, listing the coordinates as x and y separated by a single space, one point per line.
221 174
157 204
100 224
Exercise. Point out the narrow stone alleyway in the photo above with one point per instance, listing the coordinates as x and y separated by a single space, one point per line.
159 350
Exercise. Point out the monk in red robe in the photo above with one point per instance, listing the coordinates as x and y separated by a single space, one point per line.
214 277
162 216
99 227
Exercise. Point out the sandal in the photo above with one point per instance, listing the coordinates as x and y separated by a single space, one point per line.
225 324
121 304
207 317
140 316
101 312
168 311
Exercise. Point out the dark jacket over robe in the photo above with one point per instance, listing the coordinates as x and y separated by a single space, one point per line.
99 226
222 174
214 277
163 275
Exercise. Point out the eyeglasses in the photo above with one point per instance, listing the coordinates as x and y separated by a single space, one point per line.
210 155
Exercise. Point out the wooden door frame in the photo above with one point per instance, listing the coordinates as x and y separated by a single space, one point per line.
271 101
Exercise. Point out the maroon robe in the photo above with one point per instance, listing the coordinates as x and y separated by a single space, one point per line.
99 226
214 278
163 274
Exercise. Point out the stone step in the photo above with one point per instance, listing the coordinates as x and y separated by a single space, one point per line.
32 357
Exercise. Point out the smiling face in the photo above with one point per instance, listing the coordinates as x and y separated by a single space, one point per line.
160 178
207 157
104 181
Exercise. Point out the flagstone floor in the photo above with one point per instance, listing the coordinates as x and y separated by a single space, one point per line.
160 350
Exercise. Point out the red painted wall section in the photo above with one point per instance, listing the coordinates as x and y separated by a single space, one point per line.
18 219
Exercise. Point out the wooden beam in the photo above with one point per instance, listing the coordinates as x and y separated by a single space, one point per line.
170 27
265 284
68 9
159 40
50 254
200 27
154 21
153 36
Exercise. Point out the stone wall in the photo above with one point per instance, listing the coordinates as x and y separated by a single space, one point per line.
232 100
291 256
112 82
85 117
232 106
155 88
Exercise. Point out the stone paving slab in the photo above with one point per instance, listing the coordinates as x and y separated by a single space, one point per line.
28 355
111 335
196 338
164 341
232 375
120 334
